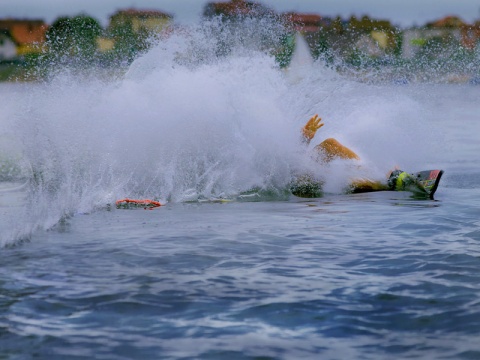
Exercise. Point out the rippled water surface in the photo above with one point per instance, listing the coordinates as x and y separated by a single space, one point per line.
362 276
270 276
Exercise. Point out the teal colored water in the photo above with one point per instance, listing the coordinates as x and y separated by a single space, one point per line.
366 276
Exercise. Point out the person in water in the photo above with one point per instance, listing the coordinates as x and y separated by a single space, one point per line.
329 150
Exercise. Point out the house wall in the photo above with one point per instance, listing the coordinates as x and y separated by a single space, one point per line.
8 49
151 24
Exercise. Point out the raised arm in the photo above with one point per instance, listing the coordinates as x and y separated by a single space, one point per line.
311 127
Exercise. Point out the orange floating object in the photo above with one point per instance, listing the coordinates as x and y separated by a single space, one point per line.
146 203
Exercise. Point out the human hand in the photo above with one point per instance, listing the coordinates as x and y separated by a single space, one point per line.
311 127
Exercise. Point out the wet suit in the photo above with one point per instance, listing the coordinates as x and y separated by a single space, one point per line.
331 149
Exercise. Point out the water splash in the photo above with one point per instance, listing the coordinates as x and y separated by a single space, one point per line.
302 61
187 123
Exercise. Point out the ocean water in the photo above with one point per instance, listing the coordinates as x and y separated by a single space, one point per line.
233 266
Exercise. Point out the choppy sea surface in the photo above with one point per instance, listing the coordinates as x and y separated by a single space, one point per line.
265 276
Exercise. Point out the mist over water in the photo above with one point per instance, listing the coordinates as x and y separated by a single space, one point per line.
188 122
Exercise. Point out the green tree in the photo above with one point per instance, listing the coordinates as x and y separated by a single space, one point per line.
73 39
128 42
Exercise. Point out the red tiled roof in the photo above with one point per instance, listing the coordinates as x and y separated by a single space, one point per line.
304 22
238 7
304 18
448 21
25 32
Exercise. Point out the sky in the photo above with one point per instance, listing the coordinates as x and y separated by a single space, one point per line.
403 13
